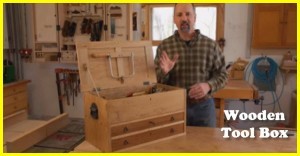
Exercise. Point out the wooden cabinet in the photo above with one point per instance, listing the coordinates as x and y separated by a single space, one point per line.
46 41
79 23
117 21
93 22
15 97
57 28
45 15
290 29
274 26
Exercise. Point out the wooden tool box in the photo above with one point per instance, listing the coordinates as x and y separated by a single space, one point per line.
123 104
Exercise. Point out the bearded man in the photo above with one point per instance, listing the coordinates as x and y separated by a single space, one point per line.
190 60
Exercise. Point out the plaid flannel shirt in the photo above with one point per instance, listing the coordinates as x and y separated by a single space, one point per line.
199 61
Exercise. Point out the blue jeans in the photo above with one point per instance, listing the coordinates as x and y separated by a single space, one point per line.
201 114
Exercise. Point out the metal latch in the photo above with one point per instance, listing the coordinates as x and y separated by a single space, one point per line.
94 111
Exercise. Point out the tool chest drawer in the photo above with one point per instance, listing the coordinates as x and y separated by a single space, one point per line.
148 123
119 143
14 107
15 97
19 97
8 91
124 105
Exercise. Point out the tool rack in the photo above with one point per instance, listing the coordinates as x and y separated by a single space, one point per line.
70 80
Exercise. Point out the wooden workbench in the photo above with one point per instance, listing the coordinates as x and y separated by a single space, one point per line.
19 131
202 139
234 89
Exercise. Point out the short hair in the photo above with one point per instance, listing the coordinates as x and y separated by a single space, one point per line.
183 3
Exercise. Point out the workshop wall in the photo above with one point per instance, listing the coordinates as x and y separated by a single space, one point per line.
43 97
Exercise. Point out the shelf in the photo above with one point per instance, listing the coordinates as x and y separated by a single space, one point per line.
68 51
54 62
44 42
40 51
68 62
288 68
69 43
80 16
64 49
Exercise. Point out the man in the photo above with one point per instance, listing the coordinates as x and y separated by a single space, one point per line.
191 60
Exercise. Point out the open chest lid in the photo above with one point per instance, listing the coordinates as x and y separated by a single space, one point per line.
114 64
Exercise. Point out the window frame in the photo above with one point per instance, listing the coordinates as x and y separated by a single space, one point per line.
220 19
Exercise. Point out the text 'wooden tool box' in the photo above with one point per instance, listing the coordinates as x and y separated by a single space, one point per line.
124 106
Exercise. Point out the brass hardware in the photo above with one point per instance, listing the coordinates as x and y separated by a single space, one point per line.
125 142
125 129
172 118
172 130
152 123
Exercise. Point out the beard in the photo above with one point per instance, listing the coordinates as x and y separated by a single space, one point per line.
185 26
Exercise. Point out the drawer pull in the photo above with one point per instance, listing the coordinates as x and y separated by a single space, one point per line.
152 123
172 130
172 118
125 129
125 142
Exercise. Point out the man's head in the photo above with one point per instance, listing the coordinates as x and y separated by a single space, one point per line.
185 17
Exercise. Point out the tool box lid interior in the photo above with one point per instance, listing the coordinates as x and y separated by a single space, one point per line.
114 64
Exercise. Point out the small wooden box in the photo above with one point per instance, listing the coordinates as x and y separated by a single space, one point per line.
236 75
110 74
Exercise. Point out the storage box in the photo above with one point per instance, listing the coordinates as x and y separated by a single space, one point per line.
124 106
236 75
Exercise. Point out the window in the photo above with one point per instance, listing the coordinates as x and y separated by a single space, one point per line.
162 23
209 19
